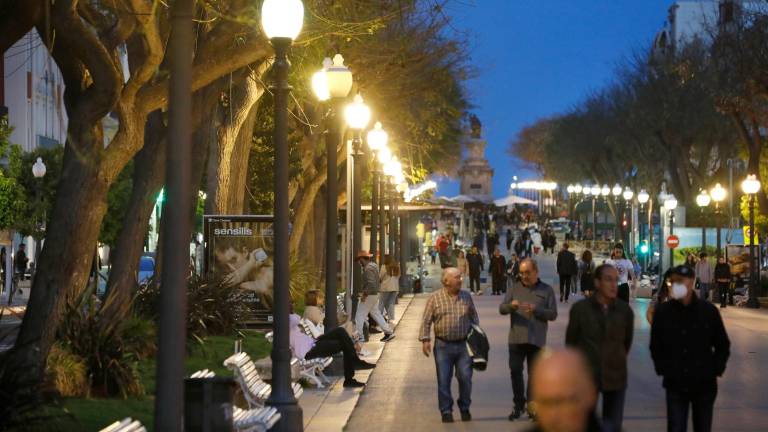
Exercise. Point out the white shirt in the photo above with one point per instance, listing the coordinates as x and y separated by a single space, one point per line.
300 343
623 266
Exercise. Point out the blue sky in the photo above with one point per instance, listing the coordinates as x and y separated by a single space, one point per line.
540 57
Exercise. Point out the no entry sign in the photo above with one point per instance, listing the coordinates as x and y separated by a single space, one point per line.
673 241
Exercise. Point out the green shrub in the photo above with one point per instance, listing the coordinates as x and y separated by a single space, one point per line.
67 372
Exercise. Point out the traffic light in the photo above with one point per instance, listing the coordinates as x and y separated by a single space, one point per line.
644 248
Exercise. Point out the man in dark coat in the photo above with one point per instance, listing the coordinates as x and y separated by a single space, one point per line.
690 349
498 269
601 327
566 269
475 265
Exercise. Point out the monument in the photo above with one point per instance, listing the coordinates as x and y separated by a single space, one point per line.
475 173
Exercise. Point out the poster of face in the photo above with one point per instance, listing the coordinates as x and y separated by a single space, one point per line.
239 249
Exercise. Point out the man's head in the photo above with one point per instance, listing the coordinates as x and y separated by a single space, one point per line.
529 272
607 282
682 276
496 252
22 246
563 392
565 246
618 251
721 259
474 249
363 257
451 280
703 255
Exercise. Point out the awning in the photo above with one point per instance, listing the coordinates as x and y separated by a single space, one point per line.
513 200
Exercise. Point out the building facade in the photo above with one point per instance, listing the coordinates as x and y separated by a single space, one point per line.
475 173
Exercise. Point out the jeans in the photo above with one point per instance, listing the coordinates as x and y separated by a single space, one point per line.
450 356
369 306
335 341
474 282
702 403
704 290
519 354
724 290
387 301
613 409
565 286
624 292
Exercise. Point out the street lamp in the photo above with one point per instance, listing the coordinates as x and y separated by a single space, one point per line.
616 192
384 156
333 82
38 171
670 204
702 200
357 115
718 195
281 21
751 186
605 191
643 197
377 140
628 194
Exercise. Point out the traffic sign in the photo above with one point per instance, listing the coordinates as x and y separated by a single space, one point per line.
673 241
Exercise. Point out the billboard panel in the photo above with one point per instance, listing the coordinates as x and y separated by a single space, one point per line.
240 249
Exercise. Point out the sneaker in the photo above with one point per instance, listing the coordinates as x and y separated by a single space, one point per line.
374 330
388 337
364 365
516 414
353 383
447 418
466 416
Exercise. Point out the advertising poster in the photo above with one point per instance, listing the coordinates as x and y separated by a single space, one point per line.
240 249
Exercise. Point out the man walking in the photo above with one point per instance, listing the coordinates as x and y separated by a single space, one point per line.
369 298
566 269
704 275
475 263
452 312
498 268
601 327
530 303
690 348
723 279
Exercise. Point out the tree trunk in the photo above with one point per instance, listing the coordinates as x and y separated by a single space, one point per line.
240 156
59 280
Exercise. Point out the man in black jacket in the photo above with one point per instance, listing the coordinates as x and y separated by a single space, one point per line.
566 269
475 264
498 268
601 327
690 349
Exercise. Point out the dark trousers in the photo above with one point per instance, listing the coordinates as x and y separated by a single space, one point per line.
519 354
335 341
702 402
613 409
474 282
565 286
452 358
624 292
724 291
499 284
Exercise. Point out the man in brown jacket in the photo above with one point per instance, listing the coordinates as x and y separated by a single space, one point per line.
601 327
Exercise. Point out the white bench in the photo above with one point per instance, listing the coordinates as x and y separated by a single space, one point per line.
125 425
255 390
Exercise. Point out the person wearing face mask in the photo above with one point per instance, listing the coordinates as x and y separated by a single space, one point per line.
690 349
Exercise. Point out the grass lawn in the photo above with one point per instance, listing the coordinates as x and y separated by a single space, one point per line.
94 414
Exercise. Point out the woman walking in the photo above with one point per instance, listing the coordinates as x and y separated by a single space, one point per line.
463 266
390 287
587 273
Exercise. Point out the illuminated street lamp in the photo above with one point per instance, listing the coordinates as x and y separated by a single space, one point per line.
670 204
643 197
718 194
281 21
377 141
616 191
605 191
628 194
578 188
702 200
751 186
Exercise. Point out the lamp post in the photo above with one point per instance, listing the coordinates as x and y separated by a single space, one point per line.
393 170
577 189
670 204
642 198
357 114
751 186
385 155
605 191
595 192
718 195
628 194
169 394
616 192
38 171
282 21
333 82
377 140
570 191
702 200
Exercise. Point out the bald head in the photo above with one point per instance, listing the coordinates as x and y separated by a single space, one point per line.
563 392
451 280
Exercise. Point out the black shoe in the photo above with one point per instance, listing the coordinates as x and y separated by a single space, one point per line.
364 365
447 418
353 383
388 337
374 330
466 416
531 416
516 414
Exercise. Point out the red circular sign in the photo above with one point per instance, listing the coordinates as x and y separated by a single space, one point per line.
673 241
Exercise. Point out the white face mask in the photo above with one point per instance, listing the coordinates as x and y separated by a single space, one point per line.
679 291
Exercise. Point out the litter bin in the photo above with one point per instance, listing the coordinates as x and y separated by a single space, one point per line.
208 404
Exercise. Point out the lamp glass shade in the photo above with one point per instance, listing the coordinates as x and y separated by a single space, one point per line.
377 138
320 83
717 193
703 199
339 78
357 114
616 190
606 190
595 190
750 185
670 203
628 194
38 169
282 18
385 155
643 196
577 188
586 190
569 189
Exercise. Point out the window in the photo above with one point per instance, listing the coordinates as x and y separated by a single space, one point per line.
475 186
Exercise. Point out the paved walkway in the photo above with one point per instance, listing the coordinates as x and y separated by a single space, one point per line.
401 394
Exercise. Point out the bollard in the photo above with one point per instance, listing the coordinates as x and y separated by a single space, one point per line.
208 404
